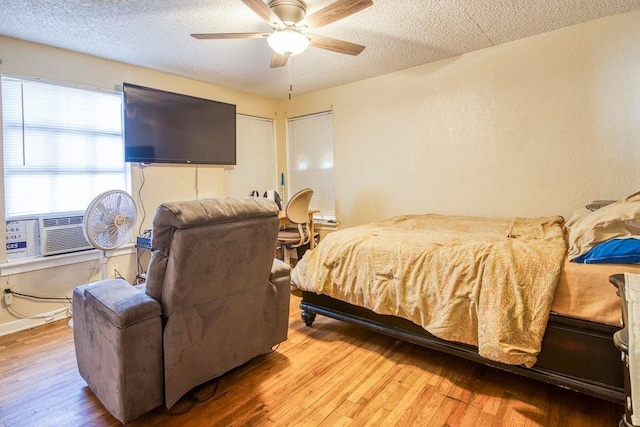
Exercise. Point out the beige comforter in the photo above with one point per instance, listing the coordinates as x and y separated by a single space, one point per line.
479 281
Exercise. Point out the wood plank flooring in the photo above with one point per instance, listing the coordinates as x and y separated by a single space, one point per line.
332 374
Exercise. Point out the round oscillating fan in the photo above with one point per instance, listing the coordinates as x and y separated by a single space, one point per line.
108 221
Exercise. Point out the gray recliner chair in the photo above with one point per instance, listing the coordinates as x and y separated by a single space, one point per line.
215 298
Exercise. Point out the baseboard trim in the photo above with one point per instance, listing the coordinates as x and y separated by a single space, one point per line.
24 324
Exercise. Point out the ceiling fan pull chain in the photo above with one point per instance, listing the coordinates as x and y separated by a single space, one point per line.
290 79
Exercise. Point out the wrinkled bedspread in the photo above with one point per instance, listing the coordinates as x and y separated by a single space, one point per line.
479 281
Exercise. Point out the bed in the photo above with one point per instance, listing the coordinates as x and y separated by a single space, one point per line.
497 291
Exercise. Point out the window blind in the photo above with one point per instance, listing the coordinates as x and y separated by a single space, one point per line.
311 160
62 146
256 158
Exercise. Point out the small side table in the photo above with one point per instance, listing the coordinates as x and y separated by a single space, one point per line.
621 341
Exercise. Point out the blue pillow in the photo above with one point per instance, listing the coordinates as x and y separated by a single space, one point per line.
614 251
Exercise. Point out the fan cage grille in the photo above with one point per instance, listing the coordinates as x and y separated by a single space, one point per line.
109 219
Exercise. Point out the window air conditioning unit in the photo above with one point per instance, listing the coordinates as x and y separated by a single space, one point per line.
62 233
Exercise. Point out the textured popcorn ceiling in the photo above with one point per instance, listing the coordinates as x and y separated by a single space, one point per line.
398 34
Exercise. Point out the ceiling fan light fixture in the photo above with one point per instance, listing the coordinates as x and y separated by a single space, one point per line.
288 42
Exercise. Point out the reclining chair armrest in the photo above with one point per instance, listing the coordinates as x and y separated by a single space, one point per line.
121 303
117 331
281 280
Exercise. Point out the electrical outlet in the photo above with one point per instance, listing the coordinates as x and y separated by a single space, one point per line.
115 271
7 297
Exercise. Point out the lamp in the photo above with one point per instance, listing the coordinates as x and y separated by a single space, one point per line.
288 42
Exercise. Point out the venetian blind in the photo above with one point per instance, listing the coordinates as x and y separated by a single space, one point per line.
62 146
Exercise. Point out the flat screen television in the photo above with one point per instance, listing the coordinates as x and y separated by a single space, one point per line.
166 127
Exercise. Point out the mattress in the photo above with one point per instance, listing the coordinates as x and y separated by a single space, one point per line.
584 292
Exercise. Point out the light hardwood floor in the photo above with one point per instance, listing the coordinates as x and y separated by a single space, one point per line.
332 374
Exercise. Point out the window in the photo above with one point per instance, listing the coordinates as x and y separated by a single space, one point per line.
62 146
255 168
311 160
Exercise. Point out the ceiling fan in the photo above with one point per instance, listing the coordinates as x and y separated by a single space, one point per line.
290 25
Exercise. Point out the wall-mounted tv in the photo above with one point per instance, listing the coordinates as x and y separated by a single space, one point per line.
166 127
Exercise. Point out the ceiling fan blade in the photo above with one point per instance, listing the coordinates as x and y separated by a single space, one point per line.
335 45
260 8
230 36
264 12
336 11
278 60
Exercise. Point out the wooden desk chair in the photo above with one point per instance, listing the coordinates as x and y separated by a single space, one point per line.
298 231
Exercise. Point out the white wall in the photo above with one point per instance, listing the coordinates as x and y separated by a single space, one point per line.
162 182
539 126
535 127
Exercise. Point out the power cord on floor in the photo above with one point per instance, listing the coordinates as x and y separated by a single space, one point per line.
199 394
202 393
274 349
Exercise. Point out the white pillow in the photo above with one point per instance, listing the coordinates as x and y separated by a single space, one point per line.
587 229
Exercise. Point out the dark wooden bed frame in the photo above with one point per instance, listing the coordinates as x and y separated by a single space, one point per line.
576 354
